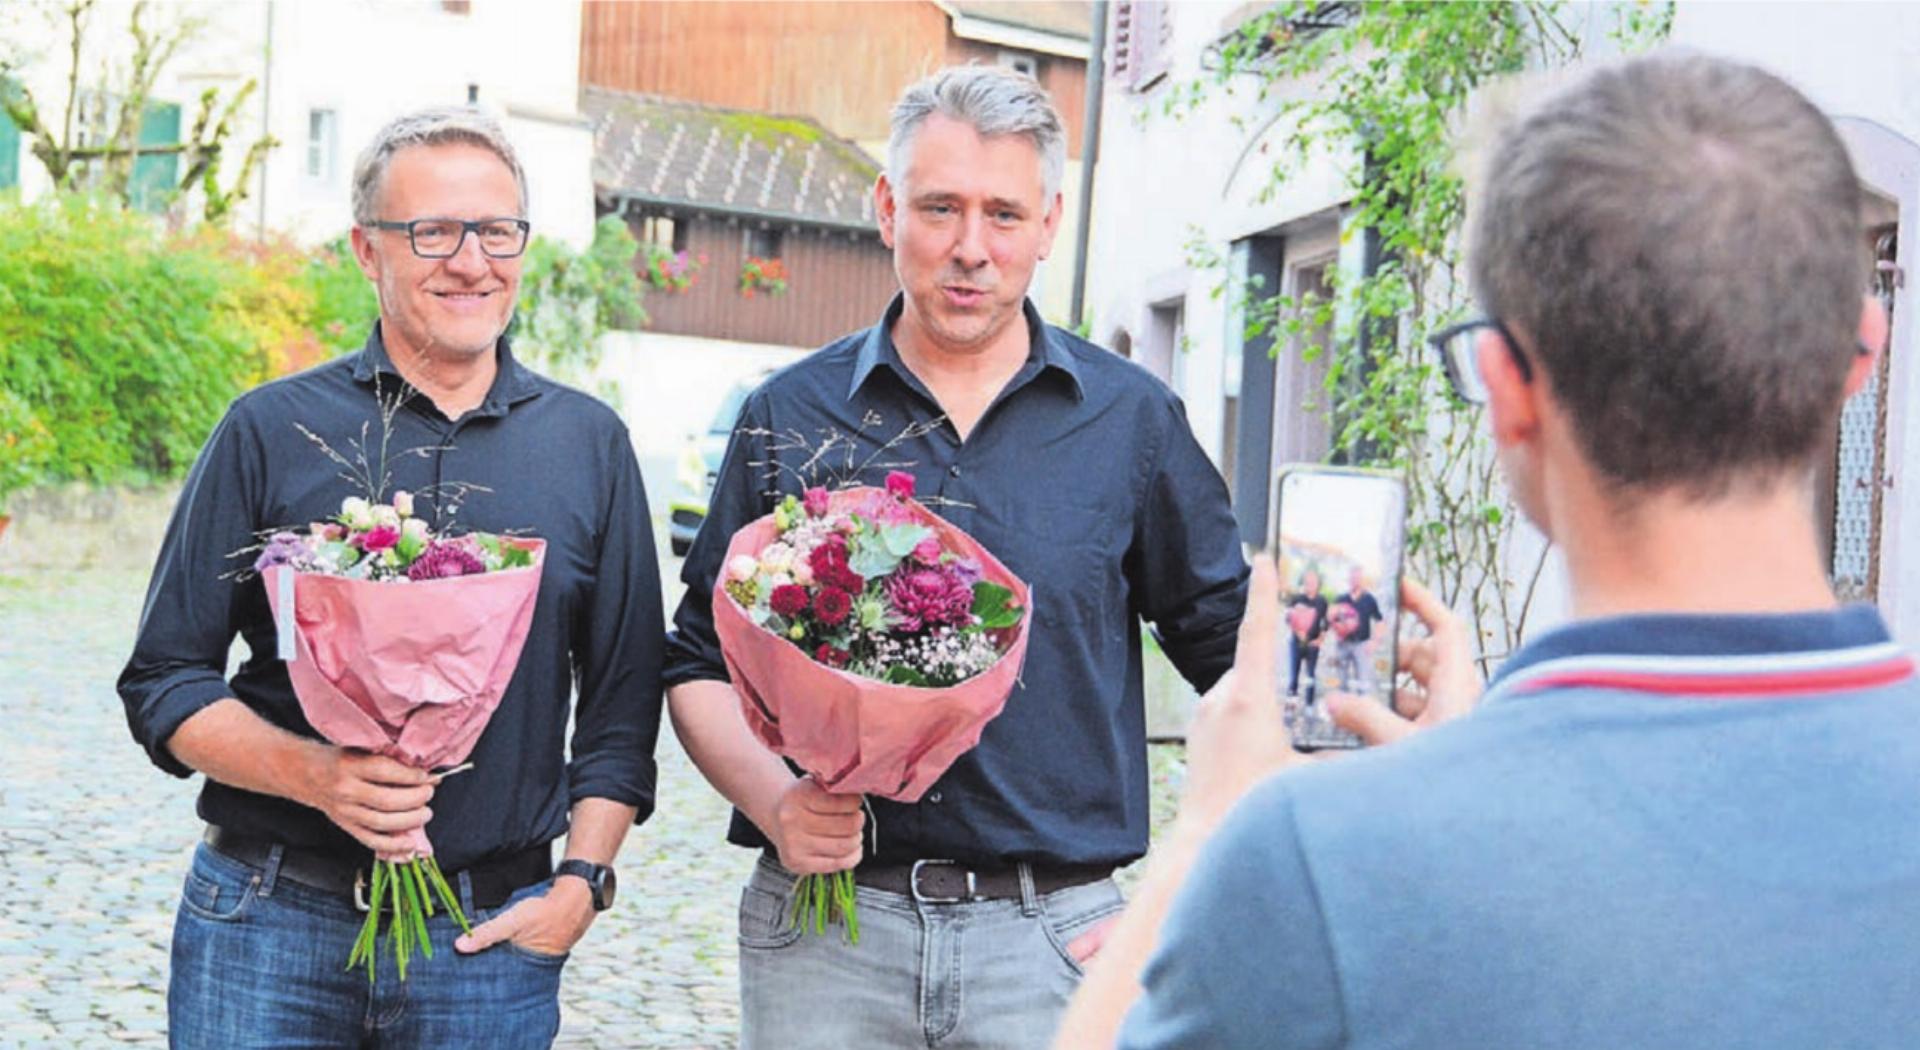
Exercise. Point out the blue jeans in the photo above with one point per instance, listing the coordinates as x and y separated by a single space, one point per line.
983 974
260 961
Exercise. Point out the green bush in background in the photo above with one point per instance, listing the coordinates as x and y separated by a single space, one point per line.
122 342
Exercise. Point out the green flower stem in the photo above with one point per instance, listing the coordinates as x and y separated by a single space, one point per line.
820 900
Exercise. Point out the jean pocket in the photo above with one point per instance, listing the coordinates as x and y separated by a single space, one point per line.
766 920
542 958
1070 913
216 895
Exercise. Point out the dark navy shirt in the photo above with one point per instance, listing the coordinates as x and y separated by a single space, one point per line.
1085 480
559 465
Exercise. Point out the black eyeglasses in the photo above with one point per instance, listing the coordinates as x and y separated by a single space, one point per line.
1455 344
442 238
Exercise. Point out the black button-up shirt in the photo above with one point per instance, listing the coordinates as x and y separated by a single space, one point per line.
1085 480
559 465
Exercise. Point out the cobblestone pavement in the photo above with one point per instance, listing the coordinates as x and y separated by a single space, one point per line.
94 843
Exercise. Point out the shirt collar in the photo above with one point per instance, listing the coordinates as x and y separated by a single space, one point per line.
1713 655
1044 353
512 382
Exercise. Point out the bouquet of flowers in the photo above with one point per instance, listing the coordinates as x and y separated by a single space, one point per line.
400 642
870 642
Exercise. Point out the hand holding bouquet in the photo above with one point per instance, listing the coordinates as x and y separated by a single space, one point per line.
870 642
400 642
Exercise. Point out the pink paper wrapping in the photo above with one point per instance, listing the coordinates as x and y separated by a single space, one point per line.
408 670
854 734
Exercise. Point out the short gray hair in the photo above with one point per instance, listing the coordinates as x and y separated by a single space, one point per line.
995 102
433 126
1679 238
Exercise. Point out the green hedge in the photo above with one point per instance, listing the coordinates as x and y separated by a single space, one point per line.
122 342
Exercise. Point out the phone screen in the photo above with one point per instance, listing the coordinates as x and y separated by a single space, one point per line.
1341 535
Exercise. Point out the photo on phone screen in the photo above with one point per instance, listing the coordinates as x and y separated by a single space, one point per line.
1340 539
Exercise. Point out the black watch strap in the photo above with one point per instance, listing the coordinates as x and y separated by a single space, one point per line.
599 879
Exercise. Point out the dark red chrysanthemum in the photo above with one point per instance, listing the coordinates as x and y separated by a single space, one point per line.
446 558
929 597
789 600
832 605
831 655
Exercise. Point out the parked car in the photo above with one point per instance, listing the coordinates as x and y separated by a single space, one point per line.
700 465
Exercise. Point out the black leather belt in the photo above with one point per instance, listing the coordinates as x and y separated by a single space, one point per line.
947 882
493 880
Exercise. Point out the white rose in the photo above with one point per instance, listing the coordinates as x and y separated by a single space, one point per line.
385 515
743 567
777 558
415 529
403 503
356 513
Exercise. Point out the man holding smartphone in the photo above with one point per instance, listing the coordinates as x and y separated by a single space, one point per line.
1683 818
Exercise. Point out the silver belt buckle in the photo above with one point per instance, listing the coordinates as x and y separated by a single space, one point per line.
913 884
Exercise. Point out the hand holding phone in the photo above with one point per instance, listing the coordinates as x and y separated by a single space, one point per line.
1445 684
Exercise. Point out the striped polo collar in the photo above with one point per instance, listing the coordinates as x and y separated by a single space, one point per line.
1770 656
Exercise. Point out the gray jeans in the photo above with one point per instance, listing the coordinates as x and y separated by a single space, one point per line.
982 974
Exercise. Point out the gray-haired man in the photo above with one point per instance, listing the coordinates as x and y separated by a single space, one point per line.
979 903
269 911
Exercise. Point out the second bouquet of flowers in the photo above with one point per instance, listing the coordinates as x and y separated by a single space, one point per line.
871 642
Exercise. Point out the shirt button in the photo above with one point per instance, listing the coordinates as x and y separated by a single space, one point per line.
934 798
954 470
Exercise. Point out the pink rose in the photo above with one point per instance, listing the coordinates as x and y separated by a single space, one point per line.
928 551
899 484
816 502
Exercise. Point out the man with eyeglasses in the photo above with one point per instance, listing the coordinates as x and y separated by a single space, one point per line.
1684 819
270 908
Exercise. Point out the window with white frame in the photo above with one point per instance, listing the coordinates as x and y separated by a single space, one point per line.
322 144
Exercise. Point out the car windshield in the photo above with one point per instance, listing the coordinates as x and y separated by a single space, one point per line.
723 420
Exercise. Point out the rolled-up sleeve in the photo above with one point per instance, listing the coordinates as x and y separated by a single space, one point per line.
693 647
1187 567
193 603
617 649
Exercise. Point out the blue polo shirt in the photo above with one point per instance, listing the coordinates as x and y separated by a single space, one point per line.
1656 831
1085 480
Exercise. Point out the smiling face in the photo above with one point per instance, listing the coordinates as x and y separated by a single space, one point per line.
968 223
452 308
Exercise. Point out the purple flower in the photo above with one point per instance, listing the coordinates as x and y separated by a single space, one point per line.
929 597
967 571
446 558
284 548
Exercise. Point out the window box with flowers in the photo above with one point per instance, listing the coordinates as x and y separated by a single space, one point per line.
669 271
759 275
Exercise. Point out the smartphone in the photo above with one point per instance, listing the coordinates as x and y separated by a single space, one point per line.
1340 537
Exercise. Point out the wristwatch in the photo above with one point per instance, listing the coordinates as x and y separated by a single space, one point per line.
599 879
